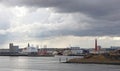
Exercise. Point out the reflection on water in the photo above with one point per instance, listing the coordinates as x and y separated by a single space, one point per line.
49 64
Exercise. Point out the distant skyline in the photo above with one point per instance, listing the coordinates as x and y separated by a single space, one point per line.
60 23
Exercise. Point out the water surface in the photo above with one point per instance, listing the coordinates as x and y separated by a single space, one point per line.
49 64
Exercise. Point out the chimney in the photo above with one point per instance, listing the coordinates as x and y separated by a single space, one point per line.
95 44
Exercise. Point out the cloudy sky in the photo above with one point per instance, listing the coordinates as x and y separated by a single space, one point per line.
60 23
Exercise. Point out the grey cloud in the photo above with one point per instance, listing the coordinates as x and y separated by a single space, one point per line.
4 21
94 8
3 38
105 15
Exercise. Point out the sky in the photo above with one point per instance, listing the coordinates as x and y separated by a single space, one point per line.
59 23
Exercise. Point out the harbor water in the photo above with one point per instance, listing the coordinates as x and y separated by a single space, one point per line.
8 63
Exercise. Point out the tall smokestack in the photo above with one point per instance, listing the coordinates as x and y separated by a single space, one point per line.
95 44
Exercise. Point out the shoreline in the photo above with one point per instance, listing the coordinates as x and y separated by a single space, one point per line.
107 63
29 55
96 59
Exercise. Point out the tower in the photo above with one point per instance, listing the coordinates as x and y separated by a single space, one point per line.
28 45
10 45
95 44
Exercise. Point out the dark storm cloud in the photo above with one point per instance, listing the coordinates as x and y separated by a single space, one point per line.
105 13
94 8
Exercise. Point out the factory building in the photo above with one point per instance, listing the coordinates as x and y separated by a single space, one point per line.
4 51
75 51
13 49
46 51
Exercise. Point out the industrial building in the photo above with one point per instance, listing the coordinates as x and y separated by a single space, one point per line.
75 51
13 49
46 51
